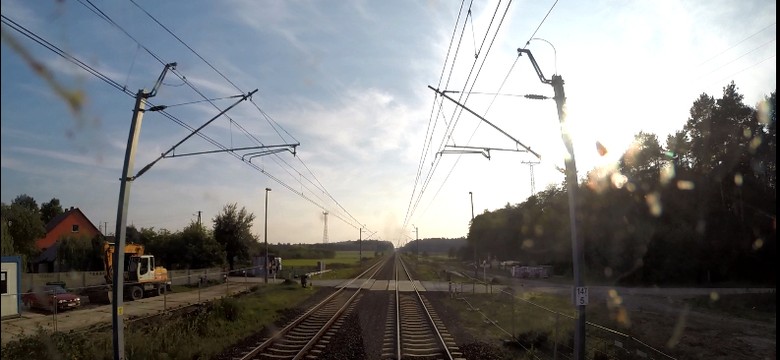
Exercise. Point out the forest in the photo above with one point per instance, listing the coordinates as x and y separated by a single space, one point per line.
700 209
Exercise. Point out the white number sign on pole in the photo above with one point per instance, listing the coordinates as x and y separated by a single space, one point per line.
581 295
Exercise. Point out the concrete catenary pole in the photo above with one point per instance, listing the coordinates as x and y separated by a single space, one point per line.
117 278
578 258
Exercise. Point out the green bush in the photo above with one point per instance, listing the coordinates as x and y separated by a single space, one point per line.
229 308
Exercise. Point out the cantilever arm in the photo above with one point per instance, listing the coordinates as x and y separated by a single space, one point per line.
521 51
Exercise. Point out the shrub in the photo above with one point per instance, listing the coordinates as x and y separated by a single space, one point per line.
230 309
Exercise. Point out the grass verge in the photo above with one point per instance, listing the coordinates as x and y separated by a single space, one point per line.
200 334
529 324
759 306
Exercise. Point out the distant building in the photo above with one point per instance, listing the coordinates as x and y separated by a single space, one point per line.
259 265
531 272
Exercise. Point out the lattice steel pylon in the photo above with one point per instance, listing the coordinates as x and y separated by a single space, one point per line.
533 182
325 230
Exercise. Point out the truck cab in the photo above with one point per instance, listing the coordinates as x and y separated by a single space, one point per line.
142 269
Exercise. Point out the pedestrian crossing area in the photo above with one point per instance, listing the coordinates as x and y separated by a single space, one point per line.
385 285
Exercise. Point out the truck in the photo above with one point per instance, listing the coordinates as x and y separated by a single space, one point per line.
141 277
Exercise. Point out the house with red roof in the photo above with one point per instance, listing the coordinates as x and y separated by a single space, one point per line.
71 223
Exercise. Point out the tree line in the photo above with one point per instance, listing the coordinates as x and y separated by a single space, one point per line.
228 242
701 209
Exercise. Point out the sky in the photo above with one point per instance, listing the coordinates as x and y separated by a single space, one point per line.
348 83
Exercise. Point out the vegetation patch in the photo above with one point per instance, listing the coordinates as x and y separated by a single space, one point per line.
760 306
538 323
200 334
425 269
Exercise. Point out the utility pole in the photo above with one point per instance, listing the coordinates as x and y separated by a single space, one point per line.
580 291
117 308
199 222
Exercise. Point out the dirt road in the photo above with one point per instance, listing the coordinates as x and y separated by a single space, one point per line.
91 315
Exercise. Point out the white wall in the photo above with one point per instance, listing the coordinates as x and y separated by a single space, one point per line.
9 302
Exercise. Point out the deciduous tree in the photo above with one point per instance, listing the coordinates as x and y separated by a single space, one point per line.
50 210
232 229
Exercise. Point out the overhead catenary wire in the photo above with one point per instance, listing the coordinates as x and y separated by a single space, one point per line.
204 60
542 22
452 168
430 129
530 96
132 64
268 118
200 101
459 111
452 124
451 128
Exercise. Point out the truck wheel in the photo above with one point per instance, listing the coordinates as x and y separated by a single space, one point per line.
136 293
161 290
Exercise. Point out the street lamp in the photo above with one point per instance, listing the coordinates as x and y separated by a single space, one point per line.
416 240
471 195
360 246
265 235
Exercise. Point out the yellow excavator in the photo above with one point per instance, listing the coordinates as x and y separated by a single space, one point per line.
141 277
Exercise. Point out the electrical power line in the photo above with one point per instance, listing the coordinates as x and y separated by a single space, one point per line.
740 42
737 58
65 55
749 67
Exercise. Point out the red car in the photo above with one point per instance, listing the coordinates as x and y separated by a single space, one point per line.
46 297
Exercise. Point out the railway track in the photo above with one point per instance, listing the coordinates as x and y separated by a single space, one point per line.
412 328
308 334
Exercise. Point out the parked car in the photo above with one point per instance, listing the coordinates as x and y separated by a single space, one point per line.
46 297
